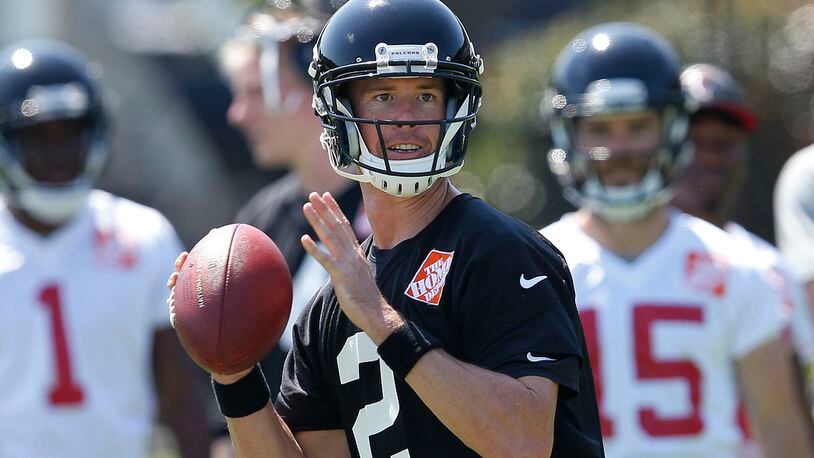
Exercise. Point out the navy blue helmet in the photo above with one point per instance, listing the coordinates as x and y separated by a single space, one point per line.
40 82
615 68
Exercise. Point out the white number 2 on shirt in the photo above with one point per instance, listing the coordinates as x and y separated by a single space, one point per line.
380 415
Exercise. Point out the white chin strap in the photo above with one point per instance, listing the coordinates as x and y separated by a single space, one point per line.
624 204
53 205
392 184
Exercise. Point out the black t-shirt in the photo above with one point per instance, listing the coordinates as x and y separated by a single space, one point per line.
493 290
277 210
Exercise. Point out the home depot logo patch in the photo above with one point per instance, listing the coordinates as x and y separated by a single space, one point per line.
428 283
706 273
110 249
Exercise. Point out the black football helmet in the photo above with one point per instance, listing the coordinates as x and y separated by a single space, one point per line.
395 39
43 81
615 68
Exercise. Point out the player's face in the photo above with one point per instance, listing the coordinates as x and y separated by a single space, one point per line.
247 111
269 134
719 165
53 152
620 144
400 99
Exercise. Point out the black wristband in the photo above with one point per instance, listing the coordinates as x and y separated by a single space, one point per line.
405 346
244 397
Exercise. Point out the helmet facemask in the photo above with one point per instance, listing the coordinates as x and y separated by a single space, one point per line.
48 201
577 168
353 158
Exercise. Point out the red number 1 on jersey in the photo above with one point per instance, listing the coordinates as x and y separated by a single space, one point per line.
65 391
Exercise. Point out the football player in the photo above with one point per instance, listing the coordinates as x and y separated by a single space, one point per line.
720 125
452 331
677 316
267 65
84 342
794 216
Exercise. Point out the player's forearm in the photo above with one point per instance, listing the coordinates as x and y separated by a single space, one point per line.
766 378
491 413
186 418
786 436
262 434
180 407
191 434
183 412
783 429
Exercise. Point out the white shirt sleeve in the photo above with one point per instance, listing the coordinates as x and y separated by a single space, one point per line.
757 314
794 213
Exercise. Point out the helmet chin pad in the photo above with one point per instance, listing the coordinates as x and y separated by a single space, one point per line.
623 204
53 205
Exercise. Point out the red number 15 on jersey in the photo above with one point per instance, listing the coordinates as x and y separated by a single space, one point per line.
648 367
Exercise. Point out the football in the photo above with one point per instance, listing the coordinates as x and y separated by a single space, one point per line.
232 299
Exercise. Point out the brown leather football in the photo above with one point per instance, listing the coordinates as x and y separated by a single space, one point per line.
232 299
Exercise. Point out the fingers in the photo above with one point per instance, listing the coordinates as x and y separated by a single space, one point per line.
180 260
322 257
324 233
333 206
172 280
328 221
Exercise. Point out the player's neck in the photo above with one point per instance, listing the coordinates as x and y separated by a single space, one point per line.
32 224
395 219
627 240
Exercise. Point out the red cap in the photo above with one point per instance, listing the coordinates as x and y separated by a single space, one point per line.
708 88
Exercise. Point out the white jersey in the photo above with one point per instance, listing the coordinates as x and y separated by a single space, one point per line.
664 332
779 273
79 309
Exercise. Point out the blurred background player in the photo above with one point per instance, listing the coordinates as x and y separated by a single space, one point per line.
84 343
267 66
676 316
794 217
720 125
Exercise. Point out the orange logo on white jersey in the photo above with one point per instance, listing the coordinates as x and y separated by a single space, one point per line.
706 273
111 250
428 283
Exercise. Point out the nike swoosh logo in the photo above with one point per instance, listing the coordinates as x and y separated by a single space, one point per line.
528 283
537 359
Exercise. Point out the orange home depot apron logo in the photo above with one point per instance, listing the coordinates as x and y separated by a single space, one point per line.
428 283
706 273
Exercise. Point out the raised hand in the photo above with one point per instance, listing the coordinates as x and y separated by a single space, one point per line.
350 272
